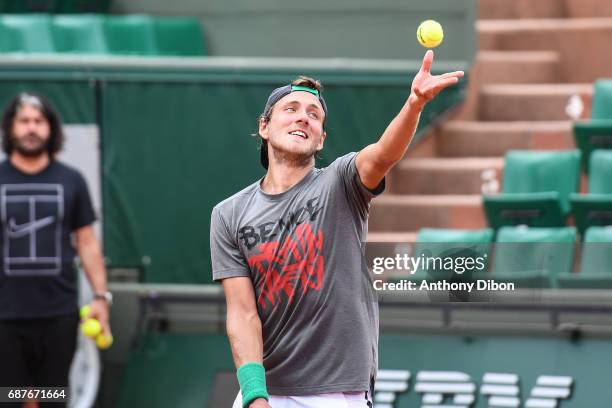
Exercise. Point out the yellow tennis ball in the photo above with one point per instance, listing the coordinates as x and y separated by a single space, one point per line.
85 311
430 34
91 327
103 341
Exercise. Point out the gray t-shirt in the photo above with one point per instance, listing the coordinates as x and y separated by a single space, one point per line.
303 250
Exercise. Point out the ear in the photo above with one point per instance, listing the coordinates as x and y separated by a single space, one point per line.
321 142
263 128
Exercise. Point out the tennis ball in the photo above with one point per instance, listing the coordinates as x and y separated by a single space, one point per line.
91 327
430 34
85 311
103 341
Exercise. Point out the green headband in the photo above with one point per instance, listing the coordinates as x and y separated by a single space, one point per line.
305 89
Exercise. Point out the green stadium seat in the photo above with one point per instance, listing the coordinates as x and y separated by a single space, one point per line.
452 236
179 36
536 189
130 35
533 257
79 33
596 133
451 243
595 264
27 33
595 208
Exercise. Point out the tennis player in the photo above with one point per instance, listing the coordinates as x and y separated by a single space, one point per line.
288 251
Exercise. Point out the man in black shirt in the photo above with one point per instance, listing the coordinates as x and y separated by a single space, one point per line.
46 218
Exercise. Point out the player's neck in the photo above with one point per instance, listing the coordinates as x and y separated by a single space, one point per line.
30 165
281 178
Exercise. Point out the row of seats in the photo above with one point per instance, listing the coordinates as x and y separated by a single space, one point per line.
101 34
540 189
529 257
540 192
55 6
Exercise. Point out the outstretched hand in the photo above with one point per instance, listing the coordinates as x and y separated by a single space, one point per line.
425 86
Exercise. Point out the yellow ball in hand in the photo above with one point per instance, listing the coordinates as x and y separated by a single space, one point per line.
91 327
85 311
430 34
103 341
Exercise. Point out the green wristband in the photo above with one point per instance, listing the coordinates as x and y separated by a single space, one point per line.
252 380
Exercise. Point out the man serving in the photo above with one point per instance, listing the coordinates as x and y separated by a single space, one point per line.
288 251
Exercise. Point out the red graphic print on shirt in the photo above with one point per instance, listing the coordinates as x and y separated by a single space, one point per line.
287 267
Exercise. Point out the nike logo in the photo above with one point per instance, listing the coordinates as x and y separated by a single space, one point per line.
21 230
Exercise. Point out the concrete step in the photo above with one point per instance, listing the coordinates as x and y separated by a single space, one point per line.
530 9
392 237
588 8
389 244
532 102
401 213
442 175
582 43
515 67
496 9
494 139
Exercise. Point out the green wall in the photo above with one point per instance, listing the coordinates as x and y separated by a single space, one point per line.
172 150
319 28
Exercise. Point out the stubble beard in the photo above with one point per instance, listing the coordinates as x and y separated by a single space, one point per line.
293 159
30 152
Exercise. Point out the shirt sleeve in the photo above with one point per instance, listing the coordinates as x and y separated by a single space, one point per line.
359 196
84 213
227 260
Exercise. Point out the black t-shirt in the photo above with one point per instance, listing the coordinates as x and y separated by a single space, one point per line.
38 213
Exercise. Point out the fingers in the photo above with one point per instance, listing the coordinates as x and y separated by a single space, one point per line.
431 90
100 313
105 326
443 83
440 85
104 323
456 74
427 61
